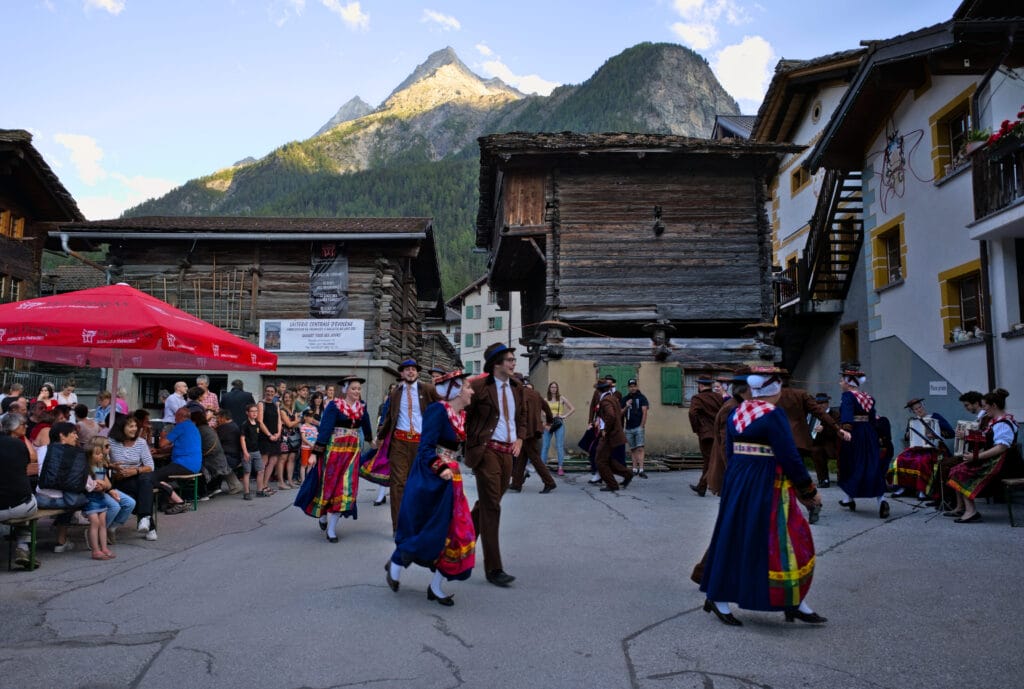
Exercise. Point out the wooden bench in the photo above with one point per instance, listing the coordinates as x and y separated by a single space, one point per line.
195 486
1010 486
31 523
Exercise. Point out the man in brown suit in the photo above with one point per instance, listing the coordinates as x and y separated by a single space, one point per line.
538 417
704 407
495 428
824 441
611 439
403 424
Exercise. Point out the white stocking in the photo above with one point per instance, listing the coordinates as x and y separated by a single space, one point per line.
435 585
396 571
805 609
332 521
382 492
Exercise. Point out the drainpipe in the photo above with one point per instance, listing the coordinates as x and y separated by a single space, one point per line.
74 254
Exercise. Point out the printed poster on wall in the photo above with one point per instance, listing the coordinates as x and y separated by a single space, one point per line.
312 335
328 281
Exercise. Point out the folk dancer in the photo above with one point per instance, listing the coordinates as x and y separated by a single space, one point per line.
914 467
435 529
495 427
538 418
330 490
590 438
611 443
800 407
971 476
824 439
861 472
703 408
762 553
402 427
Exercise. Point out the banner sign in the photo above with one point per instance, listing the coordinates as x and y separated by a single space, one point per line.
312 335
328 281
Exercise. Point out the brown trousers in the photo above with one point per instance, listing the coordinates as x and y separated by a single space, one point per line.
819 456
607 467
705 452
531 454
401 454
492 479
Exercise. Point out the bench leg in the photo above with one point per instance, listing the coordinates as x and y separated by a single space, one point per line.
1009 504
32 546
195 494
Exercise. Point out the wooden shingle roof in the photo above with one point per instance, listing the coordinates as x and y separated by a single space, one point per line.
41 187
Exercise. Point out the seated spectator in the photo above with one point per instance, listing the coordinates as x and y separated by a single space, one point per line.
230 436
133 472
16 499
141 417
121 404
87 428
215 462
63 479
186 447
40 419
103 407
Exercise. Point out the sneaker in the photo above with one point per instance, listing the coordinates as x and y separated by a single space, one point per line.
144 524
151 535
21 557
214 493
79 519
64 547
112 535
561 471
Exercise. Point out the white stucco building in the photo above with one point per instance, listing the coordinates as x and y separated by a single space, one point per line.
484 322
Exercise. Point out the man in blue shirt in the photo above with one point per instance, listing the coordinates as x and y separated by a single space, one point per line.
186 456
636 407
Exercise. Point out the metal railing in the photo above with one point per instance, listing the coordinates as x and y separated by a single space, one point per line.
998 176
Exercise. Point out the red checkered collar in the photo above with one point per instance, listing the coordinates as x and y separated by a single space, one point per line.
865 400
749 412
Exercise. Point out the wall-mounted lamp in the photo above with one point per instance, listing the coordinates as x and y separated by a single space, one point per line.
659 226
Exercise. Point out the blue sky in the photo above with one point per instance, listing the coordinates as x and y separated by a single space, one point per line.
127 99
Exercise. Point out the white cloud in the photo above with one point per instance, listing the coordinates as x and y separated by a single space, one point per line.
484 50
86 155
280 11
445 21
745 68
112 6
144 187
528 83
697 36
352 13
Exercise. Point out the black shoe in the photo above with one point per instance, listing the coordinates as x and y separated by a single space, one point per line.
642 474
883 510
515 490
548 489
499 578
932 503
323 525
698 490
852 505
976 517
392 584
825 483
724 618
382 501
626 481
606 489
809 618
447 601
332 539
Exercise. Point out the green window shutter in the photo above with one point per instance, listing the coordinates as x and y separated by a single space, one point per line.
469 312
621 374
671 386
497 322
469 339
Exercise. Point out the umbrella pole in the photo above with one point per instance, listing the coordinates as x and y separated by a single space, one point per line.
113 389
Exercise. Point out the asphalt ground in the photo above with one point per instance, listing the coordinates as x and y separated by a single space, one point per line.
250 594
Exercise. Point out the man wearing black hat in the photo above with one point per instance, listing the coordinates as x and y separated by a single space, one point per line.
611 444
538 417
403 424
800 408
595 477
495 428
704 407
824 439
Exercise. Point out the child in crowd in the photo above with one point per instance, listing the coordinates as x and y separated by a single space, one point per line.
251 457
308 430
105 504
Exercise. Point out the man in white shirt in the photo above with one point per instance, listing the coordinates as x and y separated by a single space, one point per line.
176 401
495 429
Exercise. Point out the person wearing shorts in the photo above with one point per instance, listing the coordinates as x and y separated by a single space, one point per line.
635 407
252 458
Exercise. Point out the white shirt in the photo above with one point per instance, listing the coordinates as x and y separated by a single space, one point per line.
404 424
172 405
597 415
503 433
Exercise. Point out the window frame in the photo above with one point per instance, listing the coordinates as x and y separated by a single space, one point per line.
885 240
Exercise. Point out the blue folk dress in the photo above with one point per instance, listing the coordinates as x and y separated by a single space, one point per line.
861 469
761 555
334 484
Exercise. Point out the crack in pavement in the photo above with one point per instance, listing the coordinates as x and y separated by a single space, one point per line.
602 502
144 670
361 683
852 537
449 663
209 657
708 678
634 680
441 625
125 640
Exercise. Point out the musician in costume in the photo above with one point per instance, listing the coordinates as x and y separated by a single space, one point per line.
762 555
329 492
913 468
435 529
703 408
979 468
402 427
861 471
973 404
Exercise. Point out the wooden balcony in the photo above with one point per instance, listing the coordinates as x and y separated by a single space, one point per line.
998 176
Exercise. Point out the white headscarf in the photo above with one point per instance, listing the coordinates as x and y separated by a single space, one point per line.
764 386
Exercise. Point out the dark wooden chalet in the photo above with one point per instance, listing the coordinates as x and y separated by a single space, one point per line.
645 255
236 271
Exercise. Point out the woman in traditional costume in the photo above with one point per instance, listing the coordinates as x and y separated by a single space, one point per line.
374 465
913 468
861 470
435 529
329 492
977 470
762 555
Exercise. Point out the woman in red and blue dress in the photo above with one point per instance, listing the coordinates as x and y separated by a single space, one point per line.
970 477
762 555
329 492
435 529
861 469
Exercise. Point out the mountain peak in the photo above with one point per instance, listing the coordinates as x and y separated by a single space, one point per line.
435 61
352 110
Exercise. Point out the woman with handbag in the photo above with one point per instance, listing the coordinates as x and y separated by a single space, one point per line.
561 409
435 529
291 440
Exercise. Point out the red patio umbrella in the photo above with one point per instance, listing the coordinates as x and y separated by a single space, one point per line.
116 326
